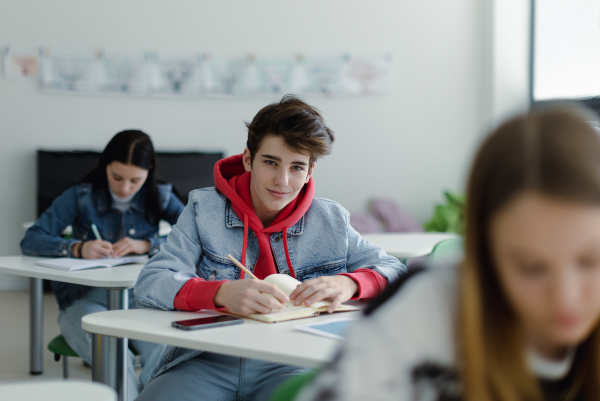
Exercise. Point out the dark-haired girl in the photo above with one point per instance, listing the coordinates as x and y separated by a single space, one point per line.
122 198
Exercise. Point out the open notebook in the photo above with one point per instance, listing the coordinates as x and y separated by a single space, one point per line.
288 284
72 264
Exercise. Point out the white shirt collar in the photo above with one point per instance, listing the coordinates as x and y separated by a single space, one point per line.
550 369
121 204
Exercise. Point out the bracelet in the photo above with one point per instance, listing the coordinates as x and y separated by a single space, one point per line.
79 248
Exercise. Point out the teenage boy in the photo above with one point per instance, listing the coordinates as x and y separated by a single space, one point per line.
262 211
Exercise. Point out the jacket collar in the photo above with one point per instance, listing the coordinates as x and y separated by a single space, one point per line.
104 202
232 220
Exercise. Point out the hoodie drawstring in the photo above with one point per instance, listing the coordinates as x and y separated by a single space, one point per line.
287 253
285 246
242 275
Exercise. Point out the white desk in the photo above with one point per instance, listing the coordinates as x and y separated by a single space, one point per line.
113 277
56 390
277 342
407 245
117 280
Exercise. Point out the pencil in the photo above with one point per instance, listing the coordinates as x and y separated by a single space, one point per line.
241 266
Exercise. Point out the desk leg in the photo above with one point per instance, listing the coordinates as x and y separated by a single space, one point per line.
114 350
36 329
97 373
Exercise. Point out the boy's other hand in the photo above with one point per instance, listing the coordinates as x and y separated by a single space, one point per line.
338 288
250 296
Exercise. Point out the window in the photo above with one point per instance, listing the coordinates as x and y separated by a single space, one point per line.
566 49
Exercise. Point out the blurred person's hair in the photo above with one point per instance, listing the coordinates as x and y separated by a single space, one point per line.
553 151
300 125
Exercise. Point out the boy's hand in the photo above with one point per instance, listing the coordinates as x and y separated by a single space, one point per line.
96 249
128 245
338 288
249 296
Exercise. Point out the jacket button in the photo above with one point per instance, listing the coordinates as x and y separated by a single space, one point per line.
64 252
131 231
277 239
84 236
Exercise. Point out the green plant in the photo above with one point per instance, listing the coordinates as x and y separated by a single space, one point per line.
449 217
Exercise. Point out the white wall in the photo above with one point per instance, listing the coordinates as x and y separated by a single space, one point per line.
410 145
510 58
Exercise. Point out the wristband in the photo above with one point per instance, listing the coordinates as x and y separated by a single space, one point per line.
79 249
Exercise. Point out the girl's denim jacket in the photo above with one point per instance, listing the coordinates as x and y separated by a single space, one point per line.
321 243
79 206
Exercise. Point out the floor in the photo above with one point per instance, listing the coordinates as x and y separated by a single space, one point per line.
14 340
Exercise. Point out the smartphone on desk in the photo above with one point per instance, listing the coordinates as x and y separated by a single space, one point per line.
207 322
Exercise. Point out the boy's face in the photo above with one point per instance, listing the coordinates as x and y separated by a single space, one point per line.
277 176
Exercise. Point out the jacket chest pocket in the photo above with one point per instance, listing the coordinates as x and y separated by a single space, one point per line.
322 269
215 268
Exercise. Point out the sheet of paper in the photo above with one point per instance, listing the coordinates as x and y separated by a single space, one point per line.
289 309
334 328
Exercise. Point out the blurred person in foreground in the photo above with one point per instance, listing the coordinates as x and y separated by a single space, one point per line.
519 318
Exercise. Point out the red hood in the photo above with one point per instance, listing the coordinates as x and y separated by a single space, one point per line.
232 180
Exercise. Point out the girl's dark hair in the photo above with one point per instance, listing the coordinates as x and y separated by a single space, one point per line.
130 147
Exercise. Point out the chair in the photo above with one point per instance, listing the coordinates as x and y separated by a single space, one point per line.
59 347
289 389
446 250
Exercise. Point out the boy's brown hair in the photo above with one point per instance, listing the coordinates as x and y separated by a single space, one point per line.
300 125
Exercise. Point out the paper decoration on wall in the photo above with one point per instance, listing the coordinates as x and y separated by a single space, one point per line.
203 75
21 64
174 75
320 76
78 72
229 77
277 75
123 74
368 75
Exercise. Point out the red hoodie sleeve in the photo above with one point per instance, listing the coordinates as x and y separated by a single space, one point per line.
198 294
370 283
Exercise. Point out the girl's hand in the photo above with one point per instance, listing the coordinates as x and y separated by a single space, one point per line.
96 249
128 245
338 288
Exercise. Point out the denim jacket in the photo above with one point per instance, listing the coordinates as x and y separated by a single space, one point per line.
80 206
321 243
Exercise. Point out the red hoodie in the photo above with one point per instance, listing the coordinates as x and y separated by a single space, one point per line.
233 181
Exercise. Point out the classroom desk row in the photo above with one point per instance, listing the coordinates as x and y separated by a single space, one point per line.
111 346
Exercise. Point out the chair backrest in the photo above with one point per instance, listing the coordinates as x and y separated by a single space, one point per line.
447 250
56 170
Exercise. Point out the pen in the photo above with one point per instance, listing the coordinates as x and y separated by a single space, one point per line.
98 236
96 232
241 266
